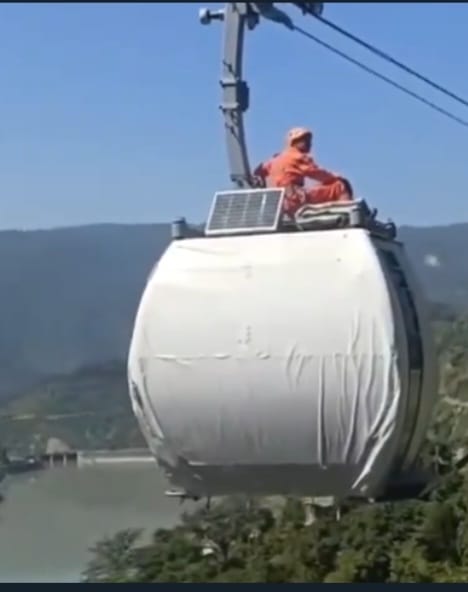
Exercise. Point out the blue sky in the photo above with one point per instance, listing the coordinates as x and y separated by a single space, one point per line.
109 113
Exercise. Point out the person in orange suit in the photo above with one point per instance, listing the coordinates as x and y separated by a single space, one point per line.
291 167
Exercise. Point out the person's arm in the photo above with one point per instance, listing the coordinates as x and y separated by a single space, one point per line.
263 169
261 173
309 168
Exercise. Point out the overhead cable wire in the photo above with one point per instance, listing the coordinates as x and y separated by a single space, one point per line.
390 59
386 79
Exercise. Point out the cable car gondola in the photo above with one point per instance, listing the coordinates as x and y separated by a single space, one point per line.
279 357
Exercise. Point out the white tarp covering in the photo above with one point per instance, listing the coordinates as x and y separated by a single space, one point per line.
275 352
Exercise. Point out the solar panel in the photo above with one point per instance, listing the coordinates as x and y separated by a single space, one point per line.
245 211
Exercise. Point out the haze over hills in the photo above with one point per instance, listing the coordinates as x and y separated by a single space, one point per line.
86 409
68 296
437 253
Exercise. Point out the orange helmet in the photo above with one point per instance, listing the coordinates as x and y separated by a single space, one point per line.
297 133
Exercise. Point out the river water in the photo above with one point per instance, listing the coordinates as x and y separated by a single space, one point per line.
48 521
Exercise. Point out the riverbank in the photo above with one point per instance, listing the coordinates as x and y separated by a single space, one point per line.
82 458
120 457
54 517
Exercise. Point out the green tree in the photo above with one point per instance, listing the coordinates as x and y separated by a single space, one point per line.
114 558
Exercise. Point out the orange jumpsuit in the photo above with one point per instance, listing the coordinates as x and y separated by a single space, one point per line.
290 168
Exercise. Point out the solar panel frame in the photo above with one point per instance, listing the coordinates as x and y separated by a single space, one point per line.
224 226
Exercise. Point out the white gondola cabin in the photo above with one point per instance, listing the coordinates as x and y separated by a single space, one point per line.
274 357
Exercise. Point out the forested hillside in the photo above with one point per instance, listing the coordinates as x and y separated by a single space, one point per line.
87 409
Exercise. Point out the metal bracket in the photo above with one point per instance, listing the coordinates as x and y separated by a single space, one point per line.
235 91
183 496
313 8
180 230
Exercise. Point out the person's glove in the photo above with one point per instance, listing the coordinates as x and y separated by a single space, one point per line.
258 182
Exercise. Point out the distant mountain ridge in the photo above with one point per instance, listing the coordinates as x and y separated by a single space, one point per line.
68 296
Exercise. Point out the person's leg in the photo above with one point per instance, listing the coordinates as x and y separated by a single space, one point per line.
335 191
294 198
